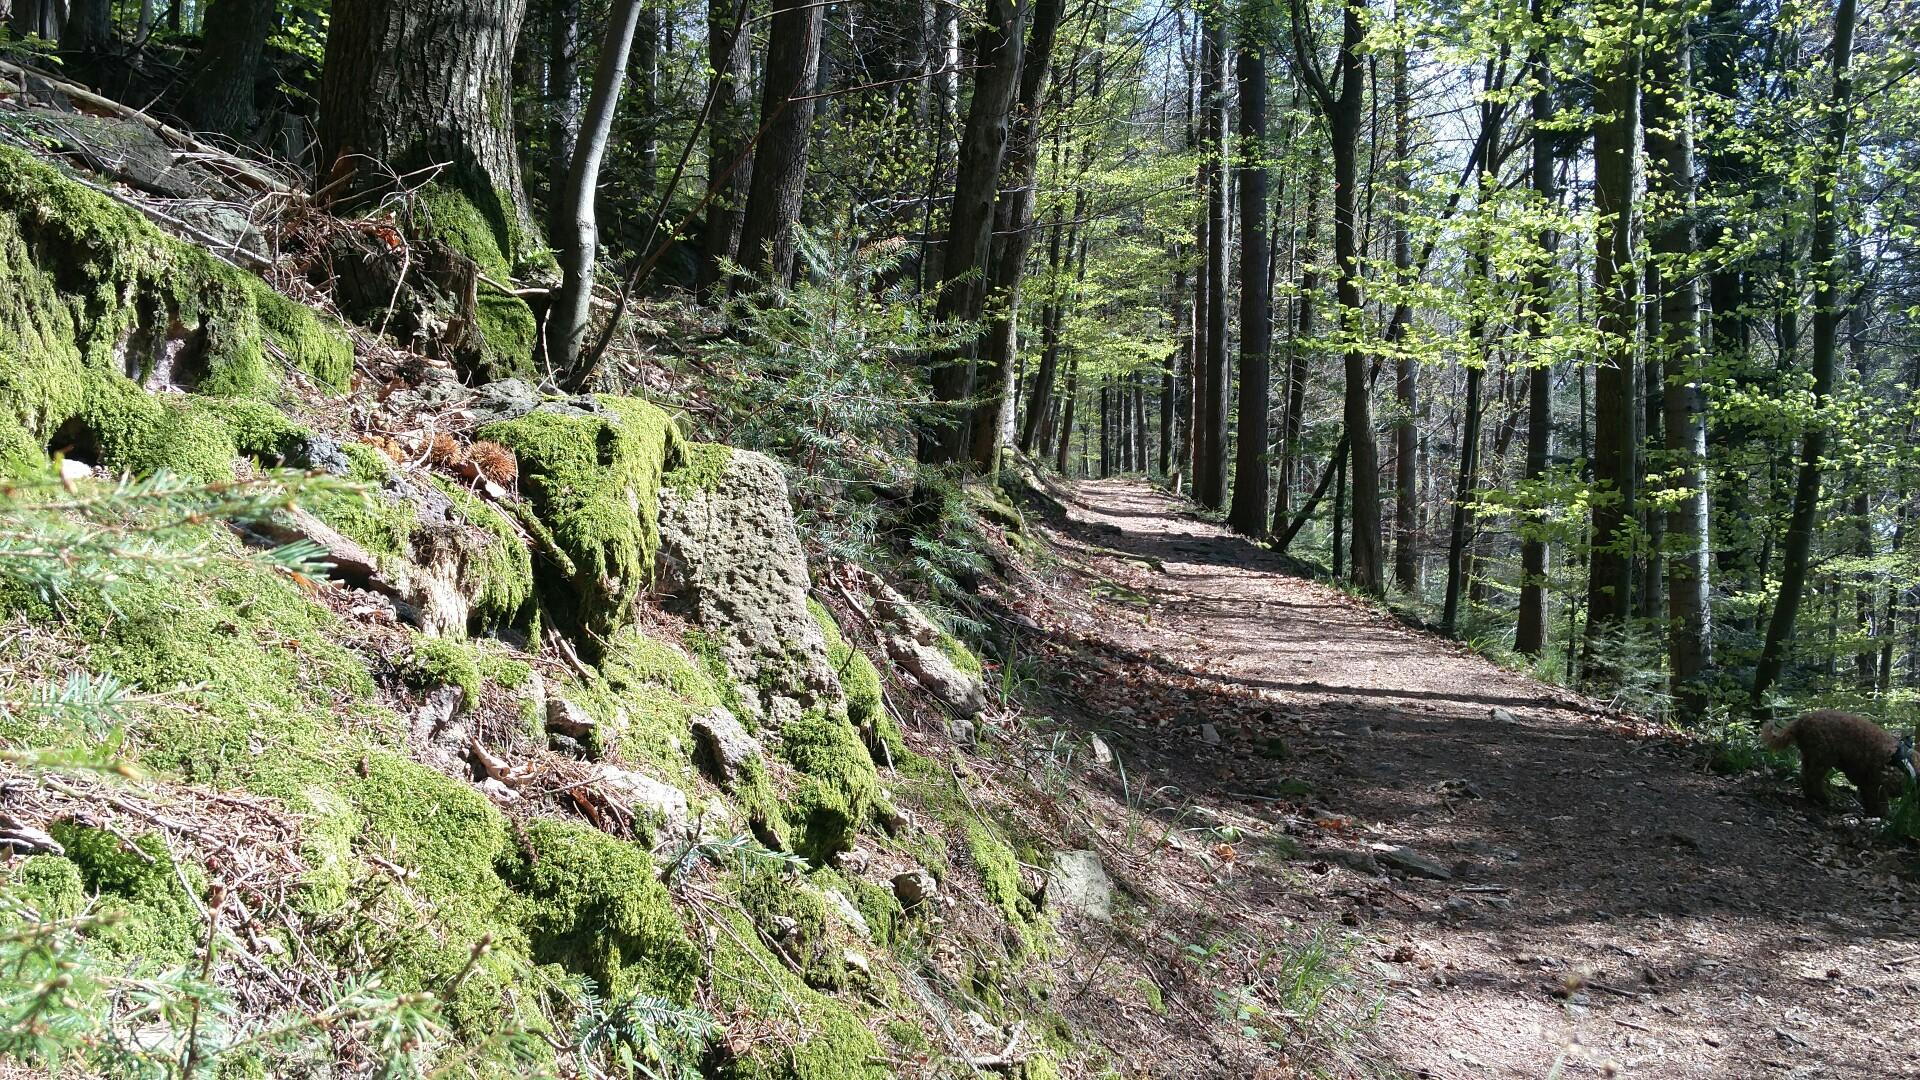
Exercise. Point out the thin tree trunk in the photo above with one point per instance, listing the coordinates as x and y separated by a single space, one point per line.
564 102
1297 353
1066 414
729 138
1670 189
779 180
1530 633
1248 515
568 319
1210 478
1829 296
1406 382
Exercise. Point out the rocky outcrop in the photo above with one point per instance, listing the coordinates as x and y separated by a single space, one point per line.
730 560
931 657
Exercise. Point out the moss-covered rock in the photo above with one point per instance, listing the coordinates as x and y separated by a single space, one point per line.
837 784
94 299
506 324
592 479
440 662
504 568
593 905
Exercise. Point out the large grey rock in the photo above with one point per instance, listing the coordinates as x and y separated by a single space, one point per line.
730 560
660 803
916 646
1079 883
1411 863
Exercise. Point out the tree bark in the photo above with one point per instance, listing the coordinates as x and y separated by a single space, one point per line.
1248 515
1013 237
1669 141
1830 296
220 96
1406 382
1530 629
564 102
1616 150
729 138
999 50
568 318
1210 478
1297 352
1071 397
35 18
89 26
779 179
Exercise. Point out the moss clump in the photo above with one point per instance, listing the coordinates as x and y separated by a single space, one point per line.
51 886
644 701
702 468
151 919
1000 875
593 480
506 323
876 904
505 570
835 1045
367 515
593 905
837 787
440 662
89 288
961 656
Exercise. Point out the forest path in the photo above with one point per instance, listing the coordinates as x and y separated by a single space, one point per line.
1611 910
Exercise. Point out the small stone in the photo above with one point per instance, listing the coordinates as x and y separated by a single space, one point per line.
1501 715
666 803
914 888
960 730
72 471
1079 883
857 962
847 912
723 747
890 817
1411 863
498 791
1102 753
1209 734
569 719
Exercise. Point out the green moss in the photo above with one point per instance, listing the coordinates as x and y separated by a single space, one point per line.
152 920
593 483
961 656
50 885
837 786
505 571
1000 875
644 701
875 903
441 662
87 285
702 468
506 323
594 906
833 1043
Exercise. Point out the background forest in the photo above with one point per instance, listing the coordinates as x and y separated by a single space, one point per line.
1582 328
1582 332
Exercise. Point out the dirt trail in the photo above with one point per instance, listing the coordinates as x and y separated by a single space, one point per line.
1610 906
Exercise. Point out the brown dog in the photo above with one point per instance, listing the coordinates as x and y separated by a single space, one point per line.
1878 763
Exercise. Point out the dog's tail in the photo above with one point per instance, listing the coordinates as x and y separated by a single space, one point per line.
1776 735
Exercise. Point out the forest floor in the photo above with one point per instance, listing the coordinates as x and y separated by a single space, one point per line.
1539 887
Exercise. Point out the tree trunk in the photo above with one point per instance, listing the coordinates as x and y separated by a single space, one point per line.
1013 237
1000 46
1829 296
564 103
1248 515
411 84
568 318
1304 329
1406 382
1530 631
1210 477
786 128
1669 143
1066 414
220 96
35 18
1616 150
89 26
729 138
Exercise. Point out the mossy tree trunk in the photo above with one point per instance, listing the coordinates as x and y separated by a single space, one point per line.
220 97
412 85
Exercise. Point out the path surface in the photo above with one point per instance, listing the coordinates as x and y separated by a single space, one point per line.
1611 906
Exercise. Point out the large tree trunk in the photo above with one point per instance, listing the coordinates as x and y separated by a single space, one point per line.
1830 296
89 26
569 316
1013 239
1616 151
786 128
35 18
1530 630
417 84
220 96
1669 142
1248 515
1068 401
999 50
564 103
729 137
1210 475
